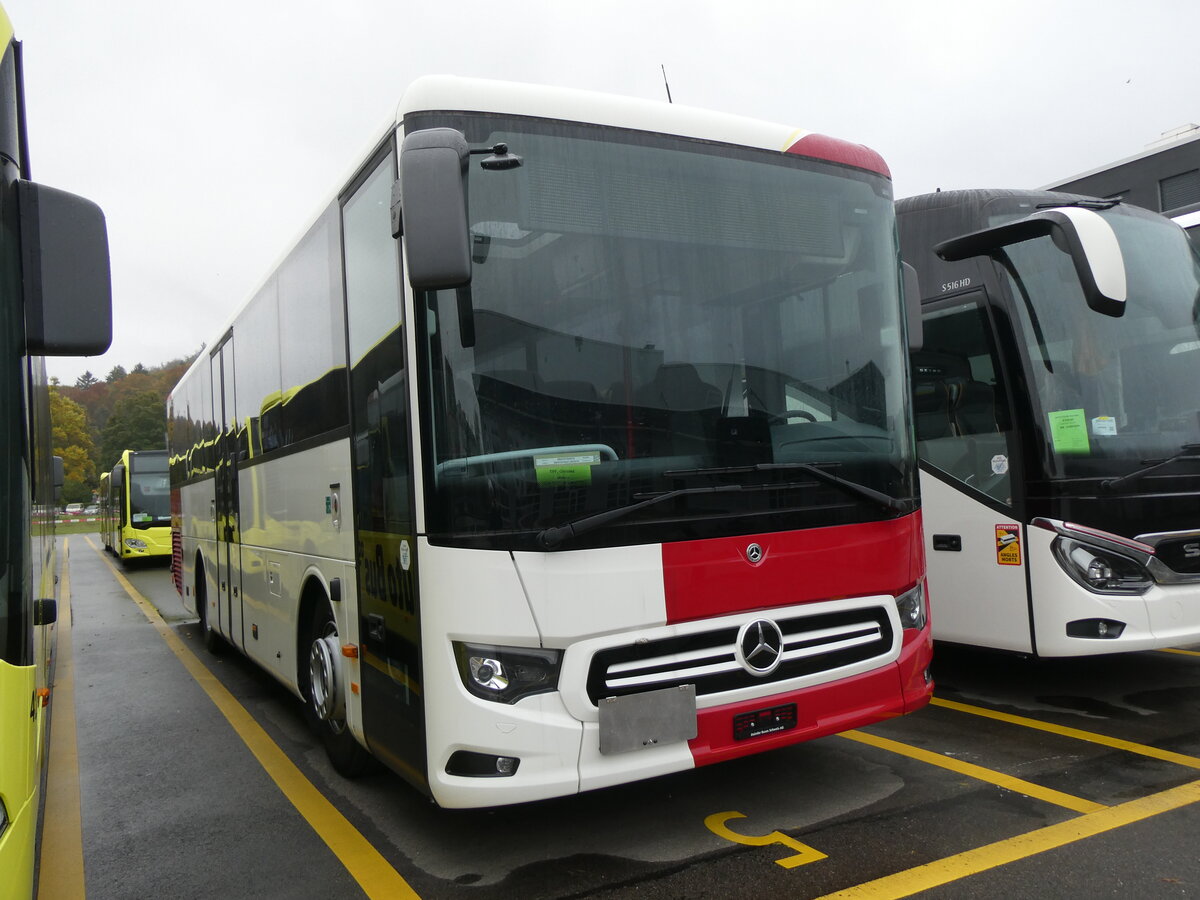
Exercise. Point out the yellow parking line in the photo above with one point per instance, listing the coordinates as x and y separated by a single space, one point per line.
1180 652
1180 759
1008 782
62 828
365 864
971 862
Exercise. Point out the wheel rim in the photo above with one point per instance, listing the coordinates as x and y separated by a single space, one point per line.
324 690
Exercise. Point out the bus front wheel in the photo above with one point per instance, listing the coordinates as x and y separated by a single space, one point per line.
325 706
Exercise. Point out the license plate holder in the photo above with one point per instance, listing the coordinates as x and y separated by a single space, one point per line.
771 720
649 719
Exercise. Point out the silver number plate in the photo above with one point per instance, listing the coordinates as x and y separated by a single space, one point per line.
650 719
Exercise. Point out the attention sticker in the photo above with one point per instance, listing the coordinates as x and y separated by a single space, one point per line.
1008 545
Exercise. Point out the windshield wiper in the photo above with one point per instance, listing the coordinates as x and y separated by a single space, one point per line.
1187 451
549 538
850 487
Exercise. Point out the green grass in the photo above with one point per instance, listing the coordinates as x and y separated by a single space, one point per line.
77 527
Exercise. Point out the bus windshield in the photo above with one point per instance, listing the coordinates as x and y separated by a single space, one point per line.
149 491
1112 392
649 315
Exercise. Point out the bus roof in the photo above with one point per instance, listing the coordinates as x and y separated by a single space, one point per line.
976 198
448 92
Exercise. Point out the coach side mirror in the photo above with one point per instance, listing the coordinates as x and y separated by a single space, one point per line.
429 207
65 272
1081 233
912 307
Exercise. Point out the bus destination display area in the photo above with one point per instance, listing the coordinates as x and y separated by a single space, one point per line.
198 776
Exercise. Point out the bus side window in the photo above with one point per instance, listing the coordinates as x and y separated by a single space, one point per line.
963 427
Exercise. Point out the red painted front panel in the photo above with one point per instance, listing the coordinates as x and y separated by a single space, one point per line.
825 709
713 577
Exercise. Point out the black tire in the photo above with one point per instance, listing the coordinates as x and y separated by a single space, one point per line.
349 758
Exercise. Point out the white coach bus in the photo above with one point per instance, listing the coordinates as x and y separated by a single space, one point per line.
570 445
1057 399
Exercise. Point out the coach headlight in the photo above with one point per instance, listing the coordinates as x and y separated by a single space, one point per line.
1101 569
135 544
912 608
506 674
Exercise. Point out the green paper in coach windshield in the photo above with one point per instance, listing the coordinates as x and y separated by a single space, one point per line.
1068 431
565 468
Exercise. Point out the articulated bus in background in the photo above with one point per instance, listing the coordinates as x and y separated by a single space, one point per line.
54 301
1057 400
135 506
570 445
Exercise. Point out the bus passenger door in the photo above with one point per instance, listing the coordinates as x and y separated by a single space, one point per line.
228 546
974 539
385 530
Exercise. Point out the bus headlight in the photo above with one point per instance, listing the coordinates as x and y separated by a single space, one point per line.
135 544
506 674
912 607
1101 569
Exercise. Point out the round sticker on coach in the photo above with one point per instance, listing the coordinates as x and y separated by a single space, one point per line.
999 464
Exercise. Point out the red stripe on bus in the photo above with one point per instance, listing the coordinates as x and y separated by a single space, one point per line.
714 577
821 146
821 710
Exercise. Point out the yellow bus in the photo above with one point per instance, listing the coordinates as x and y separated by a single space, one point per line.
55 300
135 506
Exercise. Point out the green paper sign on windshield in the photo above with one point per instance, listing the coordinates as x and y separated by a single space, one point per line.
1068 431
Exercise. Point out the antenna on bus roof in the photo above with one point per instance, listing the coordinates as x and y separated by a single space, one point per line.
665 84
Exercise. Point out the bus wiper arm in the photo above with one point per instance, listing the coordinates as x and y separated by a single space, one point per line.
850 487
549 538
1187 451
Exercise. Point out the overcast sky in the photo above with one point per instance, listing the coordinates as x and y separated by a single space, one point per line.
211 133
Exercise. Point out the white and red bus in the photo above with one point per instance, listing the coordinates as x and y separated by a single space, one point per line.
570 445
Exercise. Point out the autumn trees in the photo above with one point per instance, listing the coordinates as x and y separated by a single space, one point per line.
93 421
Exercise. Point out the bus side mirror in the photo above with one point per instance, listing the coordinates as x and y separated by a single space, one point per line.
1081 233
65 273
912 307
430 209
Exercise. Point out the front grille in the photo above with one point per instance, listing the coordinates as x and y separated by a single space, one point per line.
812 644
1181 555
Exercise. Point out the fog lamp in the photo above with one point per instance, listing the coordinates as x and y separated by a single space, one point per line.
470 764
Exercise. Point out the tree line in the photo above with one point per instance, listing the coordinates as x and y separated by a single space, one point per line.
95 420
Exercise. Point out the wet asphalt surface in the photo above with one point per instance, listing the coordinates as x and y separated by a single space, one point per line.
175 805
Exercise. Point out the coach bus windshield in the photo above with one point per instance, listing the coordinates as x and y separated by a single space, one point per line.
1112 392
149 491
652 316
